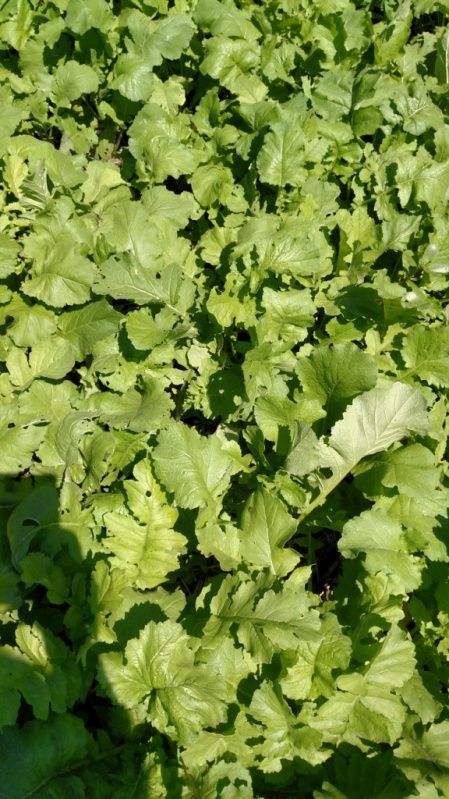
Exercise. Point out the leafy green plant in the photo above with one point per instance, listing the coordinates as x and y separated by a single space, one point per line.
224 368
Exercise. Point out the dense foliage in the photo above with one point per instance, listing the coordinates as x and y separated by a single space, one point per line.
224 260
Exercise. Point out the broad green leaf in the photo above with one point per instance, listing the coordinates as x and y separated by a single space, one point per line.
31 325
394 36
138 411
146 331
39 569
9 250
85 327
10 704
18 444
166 206
224 20
334 375
419 699
376 419
332 96
304 456
288 315
430 746
232 61
196 469
100 178
425 354
309 672
266 527
66 278
384 545
168 150
422 522
365 705
39 668
222 542
173 35
371 423
122 277
127 227
410 469
272 412
147 548
298 253
281 160
41 758
133 77
267 620
50 358
284 737
147 553
71 80
223 779
82 15
37 510
158 671
212 183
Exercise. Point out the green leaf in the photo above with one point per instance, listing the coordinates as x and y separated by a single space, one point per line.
100 178
71 80
122 277
284 737
85 327
196 469
224 20
266 527
377 419
212 183
425 354
37 510
40 669
50 358
334 375
168 150
82 15
371 423
382 541
231 61
221 541
133 77
288 315
18 444
281 160
365 705
394 36
66 278
138 411
431 746
158 671
31 325
410 469
146 331
173 35
146 548
332 96
267 619
272 412
9 250
146 553
37 758
309 671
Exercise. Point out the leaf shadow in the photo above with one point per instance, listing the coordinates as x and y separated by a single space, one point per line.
48 692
